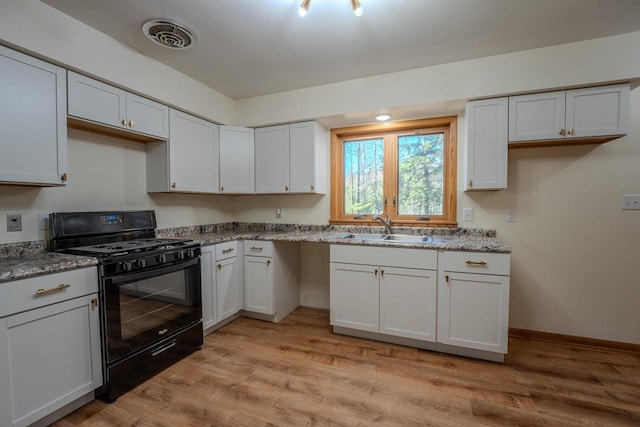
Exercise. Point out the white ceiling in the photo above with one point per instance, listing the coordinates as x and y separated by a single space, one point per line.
248 48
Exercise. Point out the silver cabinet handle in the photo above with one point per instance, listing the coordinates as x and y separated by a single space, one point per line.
256 248
226 251
58 288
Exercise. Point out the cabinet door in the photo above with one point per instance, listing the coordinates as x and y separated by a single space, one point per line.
209 303
487 125
272 159
146 116
597 111
98 102
236 160
473 311
304 158
33 122
193 154
258 289
53 357
408 303
538 116
355 296
226 272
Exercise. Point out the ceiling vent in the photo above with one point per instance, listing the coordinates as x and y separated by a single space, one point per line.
169 34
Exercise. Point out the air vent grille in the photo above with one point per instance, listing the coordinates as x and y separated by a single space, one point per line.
169 34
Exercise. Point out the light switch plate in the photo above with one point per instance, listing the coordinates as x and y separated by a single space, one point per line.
278 212
43 220
467 214
511 215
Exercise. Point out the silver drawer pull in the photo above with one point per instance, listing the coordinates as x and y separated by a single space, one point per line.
58 288
163 348
226 251
476 263
256 248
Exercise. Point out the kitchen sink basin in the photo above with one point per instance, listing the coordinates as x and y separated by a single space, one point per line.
364 236
387 237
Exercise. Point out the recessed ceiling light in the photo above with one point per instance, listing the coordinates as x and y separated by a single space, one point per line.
383 117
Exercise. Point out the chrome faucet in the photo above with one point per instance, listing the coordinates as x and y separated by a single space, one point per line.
387 223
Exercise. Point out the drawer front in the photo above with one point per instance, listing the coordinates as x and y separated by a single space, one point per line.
424 259
258 248
226 250
476 262
27 294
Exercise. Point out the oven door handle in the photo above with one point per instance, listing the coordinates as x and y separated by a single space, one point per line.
132 277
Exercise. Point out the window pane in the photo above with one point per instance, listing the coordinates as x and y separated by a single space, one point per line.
420 174
363 170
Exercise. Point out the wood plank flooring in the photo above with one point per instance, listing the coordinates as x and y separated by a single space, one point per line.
298 373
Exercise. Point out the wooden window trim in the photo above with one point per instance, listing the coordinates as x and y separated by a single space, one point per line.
447 124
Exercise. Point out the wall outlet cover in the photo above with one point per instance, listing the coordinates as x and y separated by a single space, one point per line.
43 220
512 216
630 202
14 222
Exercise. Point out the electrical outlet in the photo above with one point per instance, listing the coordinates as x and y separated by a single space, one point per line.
511 215
43 220
14 222
467 214
630 202
278 212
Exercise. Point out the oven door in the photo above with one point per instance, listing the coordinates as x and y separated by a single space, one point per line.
144 308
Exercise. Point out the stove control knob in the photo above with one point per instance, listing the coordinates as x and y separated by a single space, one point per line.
162 258
182 255
190 253
127 266
141 263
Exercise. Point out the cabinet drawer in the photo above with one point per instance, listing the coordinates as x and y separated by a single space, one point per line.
27 294
476 262
226 250
258 248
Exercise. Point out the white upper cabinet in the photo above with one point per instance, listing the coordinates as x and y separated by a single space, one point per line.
272 159
291 158
33 123
573 114
309 145
236 160
597 111
486 148
107 105
191 157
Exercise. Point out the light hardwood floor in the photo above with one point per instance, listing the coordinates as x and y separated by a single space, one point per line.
296 372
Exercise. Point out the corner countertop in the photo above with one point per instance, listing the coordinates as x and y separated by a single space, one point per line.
29 259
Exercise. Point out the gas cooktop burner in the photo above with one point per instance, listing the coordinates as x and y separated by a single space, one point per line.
124 247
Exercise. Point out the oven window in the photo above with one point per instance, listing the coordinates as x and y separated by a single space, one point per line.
151 303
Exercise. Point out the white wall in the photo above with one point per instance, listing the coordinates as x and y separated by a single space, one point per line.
575 261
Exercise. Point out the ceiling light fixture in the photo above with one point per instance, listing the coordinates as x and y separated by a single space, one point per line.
304 8
383 117
358 10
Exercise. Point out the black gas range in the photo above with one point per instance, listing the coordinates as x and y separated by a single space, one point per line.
150 292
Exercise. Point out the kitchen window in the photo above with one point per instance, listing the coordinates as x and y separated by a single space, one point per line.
404 169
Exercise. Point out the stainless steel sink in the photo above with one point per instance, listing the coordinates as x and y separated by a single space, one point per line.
387 237
407 238
364 236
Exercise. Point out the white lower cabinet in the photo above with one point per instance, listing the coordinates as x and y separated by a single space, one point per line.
50 354
473 301
222 283
271 276
395 296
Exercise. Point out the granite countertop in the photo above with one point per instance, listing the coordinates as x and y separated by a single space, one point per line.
452 243
37 264
29 259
